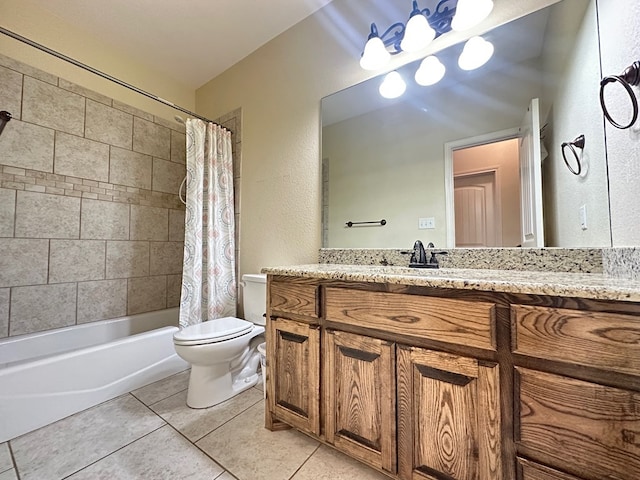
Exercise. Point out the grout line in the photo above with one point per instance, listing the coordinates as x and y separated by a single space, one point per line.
230 419
13 460
304 463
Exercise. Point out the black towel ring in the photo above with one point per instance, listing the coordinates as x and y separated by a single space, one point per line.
630 77
577 143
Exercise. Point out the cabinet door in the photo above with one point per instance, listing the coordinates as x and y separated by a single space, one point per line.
293 389
448 417
359 377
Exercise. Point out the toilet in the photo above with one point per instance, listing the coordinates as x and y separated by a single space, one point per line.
223 352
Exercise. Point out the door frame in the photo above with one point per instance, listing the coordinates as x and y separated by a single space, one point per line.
497 196
449 148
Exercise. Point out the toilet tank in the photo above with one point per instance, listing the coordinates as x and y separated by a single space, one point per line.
254 297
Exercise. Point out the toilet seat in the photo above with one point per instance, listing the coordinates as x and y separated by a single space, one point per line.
213 331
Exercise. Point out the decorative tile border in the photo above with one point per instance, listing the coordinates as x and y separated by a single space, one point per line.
43 182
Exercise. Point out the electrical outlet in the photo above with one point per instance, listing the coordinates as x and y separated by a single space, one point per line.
426 223
583 217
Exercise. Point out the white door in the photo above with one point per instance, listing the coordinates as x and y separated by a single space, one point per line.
531 178
475 205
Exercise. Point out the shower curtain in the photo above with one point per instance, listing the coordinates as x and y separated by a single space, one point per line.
208 274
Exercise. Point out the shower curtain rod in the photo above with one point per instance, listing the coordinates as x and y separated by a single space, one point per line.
61 56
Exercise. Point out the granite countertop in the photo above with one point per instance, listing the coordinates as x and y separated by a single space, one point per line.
584 285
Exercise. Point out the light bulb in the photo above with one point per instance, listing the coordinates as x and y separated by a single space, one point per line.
476 52
430 72
417 34
392 86
469 13
375 54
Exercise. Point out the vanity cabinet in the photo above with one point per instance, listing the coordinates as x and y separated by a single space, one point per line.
589 426
428 383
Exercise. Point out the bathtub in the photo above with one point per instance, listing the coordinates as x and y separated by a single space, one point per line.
49 375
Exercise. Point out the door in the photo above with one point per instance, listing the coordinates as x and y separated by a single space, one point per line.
531 178
359 377
293 393
448 417
475 210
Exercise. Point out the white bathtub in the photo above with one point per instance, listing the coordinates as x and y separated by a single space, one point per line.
49 375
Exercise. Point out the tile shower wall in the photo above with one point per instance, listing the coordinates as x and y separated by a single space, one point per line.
91 226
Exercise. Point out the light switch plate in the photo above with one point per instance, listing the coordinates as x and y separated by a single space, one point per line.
426 223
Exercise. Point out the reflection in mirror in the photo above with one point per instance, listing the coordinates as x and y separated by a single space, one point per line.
406 159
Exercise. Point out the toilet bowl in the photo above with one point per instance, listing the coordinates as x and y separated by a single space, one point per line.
223 352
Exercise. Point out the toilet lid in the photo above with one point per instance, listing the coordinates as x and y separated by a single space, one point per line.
211 331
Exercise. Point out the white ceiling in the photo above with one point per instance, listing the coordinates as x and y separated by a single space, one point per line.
192 41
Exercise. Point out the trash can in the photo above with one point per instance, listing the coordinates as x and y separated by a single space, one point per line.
262 350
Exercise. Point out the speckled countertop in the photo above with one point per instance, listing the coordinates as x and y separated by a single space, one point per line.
584 285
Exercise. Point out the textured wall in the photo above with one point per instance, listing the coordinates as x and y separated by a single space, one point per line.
619 33
90 222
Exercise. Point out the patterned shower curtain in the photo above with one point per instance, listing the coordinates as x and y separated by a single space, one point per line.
208 275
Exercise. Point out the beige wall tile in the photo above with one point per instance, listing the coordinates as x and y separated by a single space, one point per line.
130 168
146 294
109 125
18 66
127 259
178 147
85 92
132 110
151 138
176 225
4 312
167 176
104 220
165 257
25 145
52 107
149 223
174 290
76 260
7 211
79 157
42 307
102 300
23 261
39 215
11 92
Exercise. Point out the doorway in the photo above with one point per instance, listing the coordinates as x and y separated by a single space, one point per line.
477 209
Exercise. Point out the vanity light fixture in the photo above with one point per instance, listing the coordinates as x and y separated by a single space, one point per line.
469 13
423 26
430 72
392 86
476 52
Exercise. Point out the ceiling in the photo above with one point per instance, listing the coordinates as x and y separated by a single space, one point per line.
191 41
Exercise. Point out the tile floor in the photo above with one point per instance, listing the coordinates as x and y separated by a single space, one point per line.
151 434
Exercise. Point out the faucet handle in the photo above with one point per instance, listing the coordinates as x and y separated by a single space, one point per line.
434 260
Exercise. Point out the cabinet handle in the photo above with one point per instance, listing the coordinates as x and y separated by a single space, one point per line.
444 376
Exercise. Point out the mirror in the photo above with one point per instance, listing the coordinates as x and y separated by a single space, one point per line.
396 159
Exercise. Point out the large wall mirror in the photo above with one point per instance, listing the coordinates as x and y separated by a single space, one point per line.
417 160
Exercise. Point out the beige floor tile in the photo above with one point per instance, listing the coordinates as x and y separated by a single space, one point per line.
9 475
250 452
5 457
328 464
196 423
163 454
224 476
66 446
162 389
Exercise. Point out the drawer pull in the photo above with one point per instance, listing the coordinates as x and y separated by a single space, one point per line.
358 354
292 337
443 376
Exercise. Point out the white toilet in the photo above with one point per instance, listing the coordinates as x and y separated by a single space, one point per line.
223 352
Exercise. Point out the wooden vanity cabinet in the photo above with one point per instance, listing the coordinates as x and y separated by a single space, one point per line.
588 427
448 416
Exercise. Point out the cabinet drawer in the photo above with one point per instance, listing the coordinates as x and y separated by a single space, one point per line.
528 470
294 298
589 430
594 339
442 319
